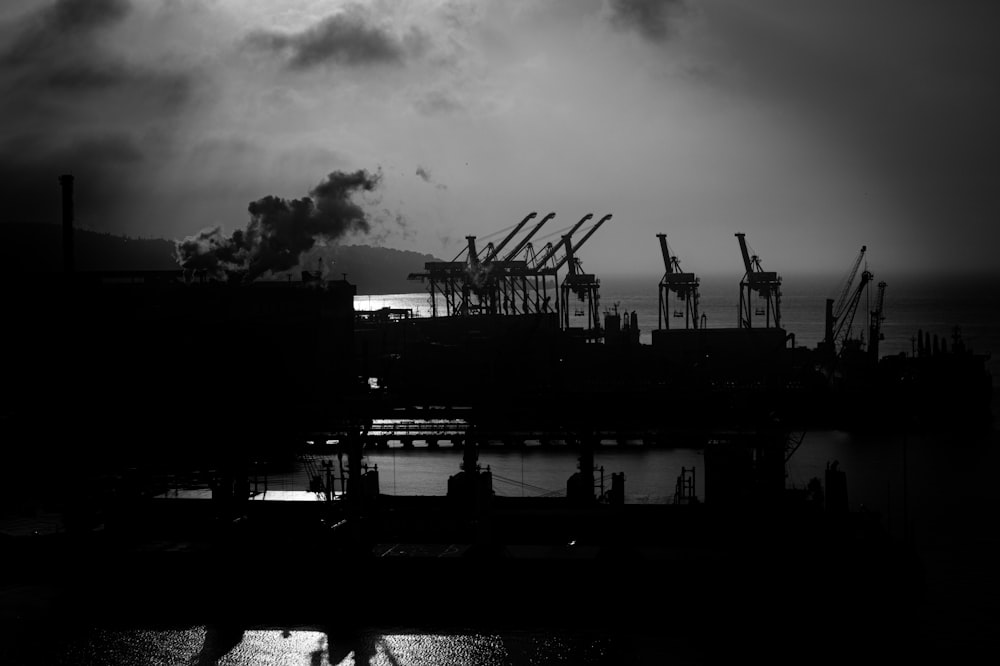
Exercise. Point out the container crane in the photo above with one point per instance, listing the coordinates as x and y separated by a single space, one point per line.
585 286
473 282
685 285
520 276
767 284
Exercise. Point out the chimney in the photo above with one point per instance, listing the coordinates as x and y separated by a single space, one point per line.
66 182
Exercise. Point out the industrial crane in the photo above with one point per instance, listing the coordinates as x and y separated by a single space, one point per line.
585 286
767 284
835 312
520 273
492 282
842 331
477 283
685 285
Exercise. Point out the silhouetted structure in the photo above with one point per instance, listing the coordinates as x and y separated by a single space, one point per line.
684 285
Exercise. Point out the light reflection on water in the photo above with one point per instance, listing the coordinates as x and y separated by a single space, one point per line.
211 646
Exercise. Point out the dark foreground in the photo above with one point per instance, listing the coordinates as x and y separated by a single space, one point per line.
725 585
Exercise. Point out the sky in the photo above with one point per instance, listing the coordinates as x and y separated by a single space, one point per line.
815 127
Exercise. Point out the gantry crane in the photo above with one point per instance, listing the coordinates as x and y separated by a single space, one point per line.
469 283
767 284
491 282
685 285
519 280
585 286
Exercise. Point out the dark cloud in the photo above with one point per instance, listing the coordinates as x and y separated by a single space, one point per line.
72 104
650 18
60 63
61 24
350 37
280 230
67 15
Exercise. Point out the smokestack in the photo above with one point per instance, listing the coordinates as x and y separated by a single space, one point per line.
66 182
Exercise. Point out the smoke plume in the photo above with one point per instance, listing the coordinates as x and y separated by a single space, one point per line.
425 175
280 230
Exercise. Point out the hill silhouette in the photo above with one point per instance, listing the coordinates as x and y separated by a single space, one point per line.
37 248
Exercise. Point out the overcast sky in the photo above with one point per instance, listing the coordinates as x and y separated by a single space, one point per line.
813 126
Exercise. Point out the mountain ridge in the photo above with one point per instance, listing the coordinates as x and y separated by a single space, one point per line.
37 248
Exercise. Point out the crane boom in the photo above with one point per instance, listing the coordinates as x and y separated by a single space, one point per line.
838 309
746 253
576 248
495 251
555 248
666 253
524 241
852 307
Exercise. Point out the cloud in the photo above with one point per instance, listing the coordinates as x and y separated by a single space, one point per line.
64 21
351 38
61 62
425 175
74 103
652 19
